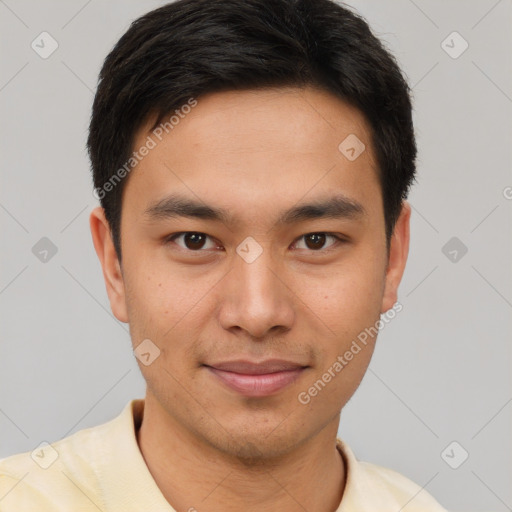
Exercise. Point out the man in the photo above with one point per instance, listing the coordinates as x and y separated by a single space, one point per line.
252 160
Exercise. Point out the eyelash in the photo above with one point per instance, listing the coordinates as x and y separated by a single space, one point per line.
338 240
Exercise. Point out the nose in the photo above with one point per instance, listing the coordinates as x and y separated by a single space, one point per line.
255 298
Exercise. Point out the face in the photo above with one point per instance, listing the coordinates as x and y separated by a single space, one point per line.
254 255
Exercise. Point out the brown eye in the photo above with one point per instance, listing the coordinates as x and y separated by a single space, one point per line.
317 241
192 240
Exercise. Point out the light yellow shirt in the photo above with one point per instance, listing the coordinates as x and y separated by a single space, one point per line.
102 469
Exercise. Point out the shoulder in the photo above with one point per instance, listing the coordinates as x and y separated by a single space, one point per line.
52 477
63 475
413 496
370 485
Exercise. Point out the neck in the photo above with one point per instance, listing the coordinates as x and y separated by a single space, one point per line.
195 476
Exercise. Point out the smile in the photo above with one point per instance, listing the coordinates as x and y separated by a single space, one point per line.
257 380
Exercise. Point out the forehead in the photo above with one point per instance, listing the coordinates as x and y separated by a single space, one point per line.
302 118
257 146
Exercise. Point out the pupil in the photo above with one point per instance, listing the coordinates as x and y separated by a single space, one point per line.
194 240
318 240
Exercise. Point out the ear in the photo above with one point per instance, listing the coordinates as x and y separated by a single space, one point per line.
112 273
398 251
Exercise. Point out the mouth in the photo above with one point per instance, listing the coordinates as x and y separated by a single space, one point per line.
257 379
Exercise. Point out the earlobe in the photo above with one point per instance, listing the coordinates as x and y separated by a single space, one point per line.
104 246
398 252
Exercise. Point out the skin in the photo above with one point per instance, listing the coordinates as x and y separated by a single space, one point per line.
255 154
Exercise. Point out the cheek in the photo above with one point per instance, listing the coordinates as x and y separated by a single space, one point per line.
168 307
159 292
347 300
346 308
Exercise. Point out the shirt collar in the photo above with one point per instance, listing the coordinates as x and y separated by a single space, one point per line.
125 479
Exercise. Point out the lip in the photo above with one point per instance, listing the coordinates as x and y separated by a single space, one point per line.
257 379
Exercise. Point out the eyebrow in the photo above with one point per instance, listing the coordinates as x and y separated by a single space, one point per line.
334 207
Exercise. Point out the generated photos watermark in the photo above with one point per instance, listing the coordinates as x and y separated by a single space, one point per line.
151 142
304 397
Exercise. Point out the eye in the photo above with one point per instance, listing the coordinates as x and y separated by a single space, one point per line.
196 241
192 240
316 241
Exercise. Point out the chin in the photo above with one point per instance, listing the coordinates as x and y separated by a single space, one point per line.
253 443
255 449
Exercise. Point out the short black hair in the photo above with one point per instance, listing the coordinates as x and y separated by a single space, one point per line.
189 48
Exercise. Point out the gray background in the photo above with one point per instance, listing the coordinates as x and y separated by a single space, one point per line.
442 368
